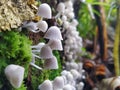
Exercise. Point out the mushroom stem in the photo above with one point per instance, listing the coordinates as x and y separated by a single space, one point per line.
34 65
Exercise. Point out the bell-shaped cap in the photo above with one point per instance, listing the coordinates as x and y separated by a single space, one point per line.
61 7
31 26
44 11
46 85
38 46
67 87
68 4
69 77
58 83
74 73
51 63
14 74
64 72
46 52
42 26
53 33
74 22
55 44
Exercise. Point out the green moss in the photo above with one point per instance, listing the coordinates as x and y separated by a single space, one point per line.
14 49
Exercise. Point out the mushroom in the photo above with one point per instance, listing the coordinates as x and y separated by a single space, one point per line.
37 48
74 22
60 9
46 85
42 25
58 83
55 44
68 4
80 86
14 74
69 77
31 26
67 87
34 65
53 33
74 73
51 63
46 52
44 11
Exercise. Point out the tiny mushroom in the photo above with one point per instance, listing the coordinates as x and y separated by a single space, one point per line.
37 48
14 74
53 33
44 11
46 85
51 63
67 87
46 52
31 26
61 7
58 83
55 44
42 26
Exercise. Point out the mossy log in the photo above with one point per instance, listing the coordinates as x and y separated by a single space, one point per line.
13 13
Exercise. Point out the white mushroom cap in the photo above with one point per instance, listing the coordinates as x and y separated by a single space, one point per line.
67 87
68 4
38 46
64 18
44 10
42 25
61 7
51 63
70 15
58 83
55 44
69 77
80 86
73 65
46 85
66 24
53 33
74 22
14 74
46 52
74 73
64 72
31 26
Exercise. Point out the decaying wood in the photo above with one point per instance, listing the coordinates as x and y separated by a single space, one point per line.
13 13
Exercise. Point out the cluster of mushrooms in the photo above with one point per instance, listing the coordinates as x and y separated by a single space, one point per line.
72 40
73 73
67 81
71 77
42 51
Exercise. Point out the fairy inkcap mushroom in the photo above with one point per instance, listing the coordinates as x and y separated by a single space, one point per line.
75 73
46 52
51 63
55 44
53 33
42 26
58 83
31 26
37 48
44 11
61 7
46 85
67 87
14 74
